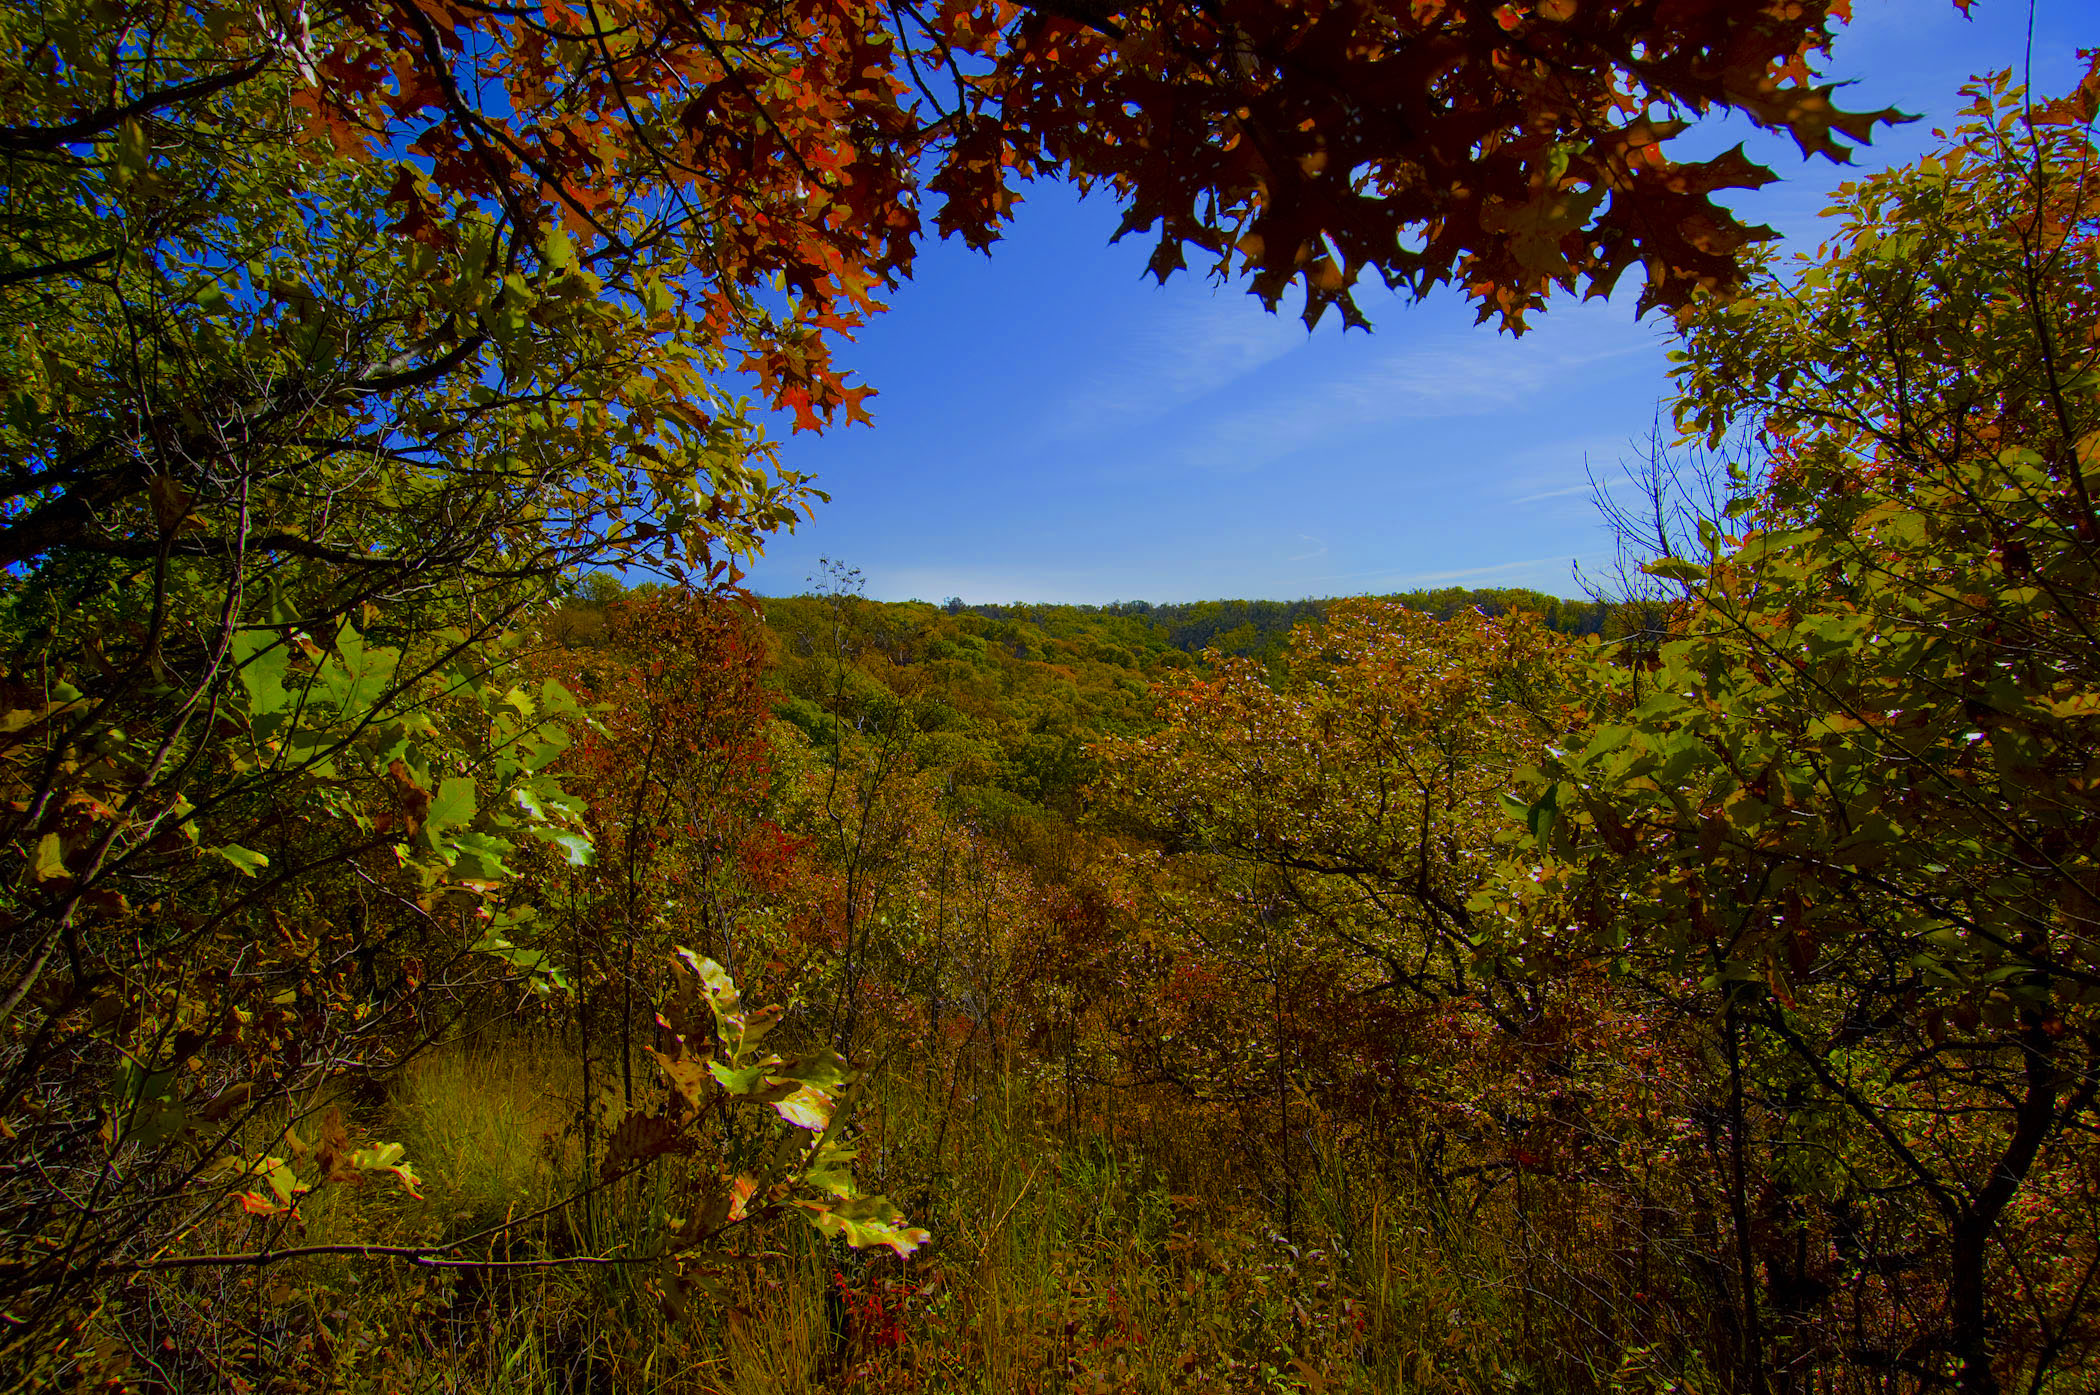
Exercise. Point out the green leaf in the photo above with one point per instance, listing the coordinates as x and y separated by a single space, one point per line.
575 848
831 1171
538 969
561 253
739 1082
389 1157
355 675
263 658
722 997
285 1182
147 1111
478 857
247 860
1676 569
1539 817
452 806
864 1221
823 1070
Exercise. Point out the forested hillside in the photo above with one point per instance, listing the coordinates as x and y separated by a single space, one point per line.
452 938
1004 704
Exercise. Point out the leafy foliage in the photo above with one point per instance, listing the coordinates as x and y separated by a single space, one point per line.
344 354
1508 149
1848 813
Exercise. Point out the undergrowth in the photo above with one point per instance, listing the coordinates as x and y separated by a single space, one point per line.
1139 1247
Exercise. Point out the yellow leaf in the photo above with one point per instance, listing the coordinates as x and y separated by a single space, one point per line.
807 1108
49 863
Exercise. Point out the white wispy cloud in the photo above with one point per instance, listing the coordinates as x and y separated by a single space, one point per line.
1583 488
1319 549
1469 375
1563 468
1190 351
1498 569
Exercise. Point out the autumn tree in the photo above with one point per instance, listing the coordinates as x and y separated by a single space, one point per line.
1363 784
674 782
1846 824
1323 827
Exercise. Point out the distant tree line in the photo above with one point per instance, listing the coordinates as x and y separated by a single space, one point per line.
1249 629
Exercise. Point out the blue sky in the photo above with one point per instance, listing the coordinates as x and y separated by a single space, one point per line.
1052 426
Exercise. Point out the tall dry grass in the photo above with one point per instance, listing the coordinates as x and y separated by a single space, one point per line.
1133 1243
